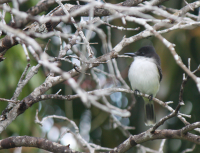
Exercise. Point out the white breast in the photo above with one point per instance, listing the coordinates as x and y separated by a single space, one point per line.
144 76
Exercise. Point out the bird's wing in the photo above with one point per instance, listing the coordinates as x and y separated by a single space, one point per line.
160 72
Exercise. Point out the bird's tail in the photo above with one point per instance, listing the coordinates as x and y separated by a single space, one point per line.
150 117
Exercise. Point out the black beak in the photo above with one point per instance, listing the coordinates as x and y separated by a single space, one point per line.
130 54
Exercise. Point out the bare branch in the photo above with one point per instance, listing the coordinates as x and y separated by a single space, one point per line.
158 134
28 141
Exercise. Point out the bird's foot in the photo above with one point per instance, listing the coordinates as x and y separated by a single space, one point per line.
137 92
150 97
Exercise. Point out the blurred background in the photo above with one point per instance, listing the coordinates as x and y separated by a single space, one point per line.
96 126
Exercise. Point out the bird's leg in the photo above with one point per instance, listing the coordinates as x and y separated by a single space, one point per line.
150 97
137 92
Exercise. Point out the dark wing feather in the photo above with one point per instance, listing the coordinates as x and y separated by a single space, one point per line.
160 72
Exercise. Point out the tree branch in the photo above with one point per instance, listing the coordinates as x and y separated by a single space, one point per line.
159 134
28 141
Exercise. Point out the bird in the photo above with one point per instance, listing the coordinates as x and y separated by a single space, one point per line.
145 75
